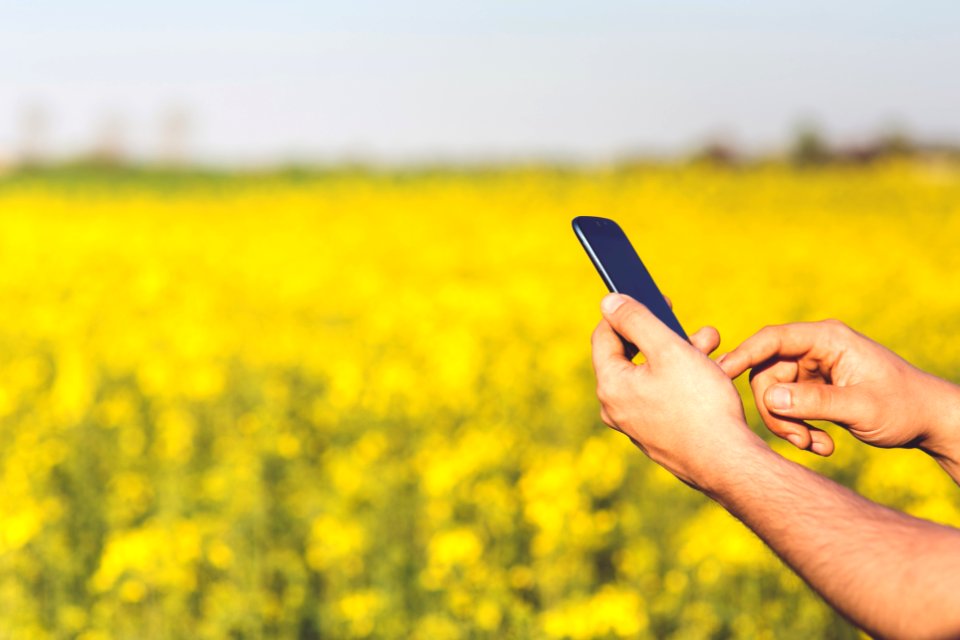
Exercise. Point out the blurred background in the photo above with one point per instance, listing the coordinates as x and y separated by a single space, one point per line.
296 334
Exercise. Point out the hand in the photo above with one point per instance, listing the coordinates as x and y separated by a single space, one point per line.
826 370
678 406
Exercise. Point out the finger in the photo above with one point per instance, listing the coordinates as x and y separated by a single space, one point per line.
786 341
669 302
706 340
793 430
784 401
637 324
814 401
607 349
821 442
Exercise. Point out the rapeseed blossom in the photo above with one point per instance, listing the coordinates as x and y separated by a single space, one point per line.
362 405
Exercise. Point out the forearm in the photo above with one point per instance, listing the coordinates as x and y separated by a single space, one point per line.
889 573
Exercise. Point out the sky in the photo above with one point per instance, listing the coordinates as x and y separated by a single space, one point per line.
448 80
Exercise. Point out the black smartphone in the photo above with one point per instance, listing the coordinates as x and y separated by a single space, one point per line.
622 271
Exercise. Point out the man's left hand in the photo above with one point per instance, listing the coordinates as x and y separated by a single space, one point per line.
679 407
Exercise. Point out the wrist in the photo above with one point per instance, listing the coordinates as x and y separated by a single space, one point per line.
744 476
725 473
942 440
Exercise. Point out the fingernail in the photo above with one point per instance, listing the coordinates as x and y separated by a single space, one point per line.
795 440
611 302
722 358
819 448
779 398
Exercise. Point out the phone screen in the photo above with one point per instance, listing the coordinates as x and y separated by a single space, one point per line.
621 268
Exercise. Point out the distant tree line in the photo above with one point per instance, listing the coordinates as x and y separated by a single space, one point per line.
108 148
810 147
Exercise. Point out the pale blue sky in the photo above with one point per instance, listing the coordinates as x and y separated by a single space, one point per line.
424 80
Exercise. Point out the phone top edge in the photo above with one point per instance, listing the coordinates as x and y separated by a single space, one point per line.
582 220
597 264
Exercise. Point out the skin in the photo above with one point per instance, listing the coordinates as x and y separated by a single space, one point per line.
827 371
891 574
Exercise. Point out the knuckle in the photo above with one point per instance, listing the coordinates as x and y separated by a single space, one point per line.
607 393
767 336
595 335
768 330
824 399
837 326
627 314
837 333
674 349
602 395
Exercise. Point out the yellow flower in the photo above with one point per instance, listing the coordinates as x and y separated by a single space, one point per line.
361 405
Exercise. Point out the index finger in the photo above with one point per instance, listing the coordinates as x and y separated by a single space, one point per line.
785 341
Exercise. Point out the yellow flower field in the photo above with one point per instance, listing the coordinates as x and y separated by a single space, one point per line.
352 405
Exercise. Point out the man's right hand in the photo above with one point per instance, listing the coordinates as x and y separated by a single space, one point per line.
827 371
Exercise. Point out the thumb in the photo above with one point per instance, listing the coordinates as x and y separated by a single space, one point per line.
637 323
815 401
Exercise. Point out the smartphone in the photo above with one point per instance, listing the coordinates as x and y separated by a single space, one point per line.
622 271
